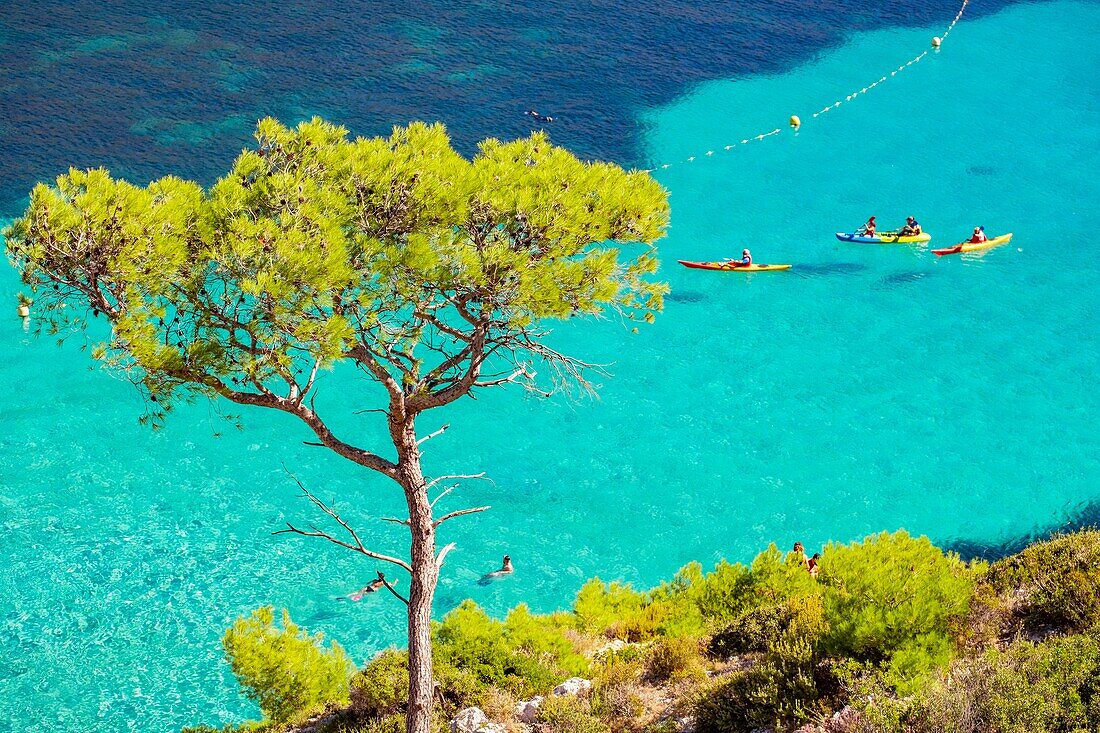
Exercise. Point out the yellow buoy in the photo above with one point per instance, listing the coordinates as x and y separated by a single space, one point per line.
936 41
795 122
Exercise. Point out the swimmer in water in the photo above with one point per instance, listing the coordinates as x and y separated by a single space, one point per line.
505 569
370 587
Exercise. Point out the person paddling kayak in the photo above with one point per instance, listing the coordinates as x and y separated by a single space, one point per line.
868 229
911 228
979 235
745 261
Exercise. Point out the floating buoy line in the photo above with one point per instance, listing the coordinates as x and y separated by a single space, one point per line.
795 121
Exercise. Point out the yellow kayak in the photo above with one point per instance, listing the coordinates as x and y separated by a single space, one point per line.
883 238
962 247
729 266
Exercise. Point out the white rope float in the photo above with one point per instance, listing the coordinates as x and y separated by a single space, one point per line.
796 122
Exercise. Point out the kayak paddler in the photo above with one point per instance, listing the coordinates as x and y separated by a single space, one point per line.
868 229
979 235
911 228
745 261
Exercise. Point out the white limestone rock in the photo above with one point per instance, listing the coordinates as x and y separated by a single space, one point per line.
470 720
573 686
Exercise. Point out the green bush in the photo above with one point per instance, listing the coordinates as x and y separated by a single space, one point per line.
724 593
568 714
894 595
287 672
614 695
381 688
524 655
1052 686
619 611
755 631
1059 579
780 689
600 605
675 658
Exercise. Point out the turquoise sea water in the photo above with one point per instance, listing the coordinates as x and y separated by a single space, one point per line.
866 389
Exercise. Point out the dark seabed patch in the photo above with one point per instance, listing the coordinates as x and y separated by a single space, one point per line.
147 89
1084 516
981 170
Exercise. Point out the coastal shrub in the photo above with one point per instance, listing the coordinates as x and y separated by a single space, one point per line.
1059 580
458 687
382 687
568 714
781 688
599 605
542 637
892 595
717 595
615 689
675 658
285 670
521 655
754 631
724 593
777 577
619 611
1051 686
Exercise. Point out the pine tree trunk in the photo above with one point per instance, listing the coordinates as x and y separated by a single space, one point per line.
425 573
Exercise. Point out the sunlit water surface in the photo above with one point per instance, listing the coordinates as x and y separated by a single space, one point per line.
865 389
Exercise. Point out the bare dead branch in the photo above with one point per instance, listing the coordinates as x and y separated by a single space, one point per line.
457 477
428 437
443 554
391 589
395 520
459 513
356 545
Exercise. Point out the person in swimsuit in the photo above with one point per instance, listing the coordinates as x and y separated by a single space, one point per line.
370 587
911 228
868 229
506 568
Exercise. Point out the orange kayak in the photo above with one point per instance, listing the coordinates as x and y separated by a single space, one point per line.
732 267
974 246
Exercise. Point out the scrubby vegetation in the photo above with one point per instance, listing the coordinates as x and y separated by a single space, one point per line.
287 672
892 633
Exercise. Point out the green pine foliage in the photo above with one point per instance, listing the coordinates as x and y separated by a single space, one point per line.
525 655
892 599
285 670
381 688
312 240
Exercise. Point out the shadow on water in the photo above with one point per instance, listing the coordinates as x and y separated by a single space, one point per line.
829 269
981 170
685 296
898 279
1085 516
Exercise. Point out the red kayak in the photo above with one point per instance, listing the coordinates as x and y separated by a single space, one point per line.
732 266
